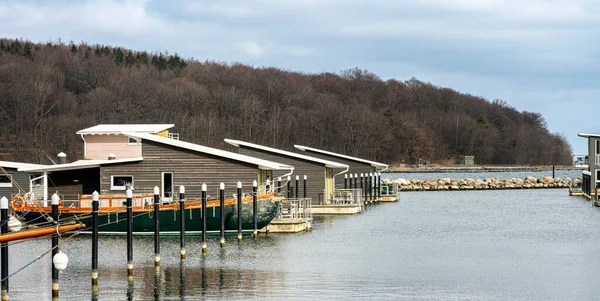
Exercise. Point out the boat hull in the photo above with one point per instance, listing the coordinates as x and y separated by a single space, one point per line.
115 223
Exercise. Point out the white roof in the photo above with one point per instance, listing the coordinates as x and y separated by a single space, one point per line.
81 164
584 135
118 128
262 164
327 163
8 164
316 150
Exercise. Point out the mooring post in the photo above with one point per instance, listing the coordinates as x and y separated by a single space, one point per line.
379 185
204 218
362 187
255 206
289 191
304 191
156 228
355 181
128 201
239 210
222 212
182 221
350 182
345 181
4 250
55 200
553 171
371 191
279 185
297 187
95 200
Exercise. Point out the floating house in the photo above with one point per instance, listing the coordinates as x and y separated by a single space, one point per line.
357 166
320 172
591 178
12 180
143 156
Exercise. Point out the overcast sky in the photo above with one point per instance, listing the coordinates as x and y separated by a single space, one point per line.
539 56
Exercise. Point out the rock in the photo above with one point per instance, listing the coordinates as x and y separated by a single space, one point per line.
531 179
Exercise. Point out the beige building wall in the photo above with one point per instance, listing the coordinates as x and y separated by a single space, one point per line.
99 146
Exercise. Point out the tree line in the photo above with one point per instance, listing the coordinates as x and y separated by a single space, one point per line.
48 91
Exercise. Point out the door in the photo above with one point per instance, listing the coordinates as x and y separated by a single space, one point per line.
328 185
167 187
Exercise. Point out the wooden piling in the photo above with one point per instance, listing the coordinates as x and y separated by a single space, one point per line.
222 212
182 221
55 200
239 210
128 201
156 228
204 218
95 200
4 247
255 206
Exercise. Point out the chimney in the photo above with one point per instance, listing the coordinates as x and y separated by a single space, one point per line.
62 158
111 156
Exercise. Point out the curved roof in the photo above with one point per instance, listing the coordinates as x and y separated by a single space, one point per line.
81 164
118 128
316 150
327 163
263 164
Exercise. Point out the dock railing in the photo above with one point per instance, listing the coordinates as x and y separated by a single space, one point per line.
348 197
296 209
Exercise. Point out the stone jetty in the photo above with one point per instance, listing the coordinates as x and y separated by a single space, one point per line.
489 183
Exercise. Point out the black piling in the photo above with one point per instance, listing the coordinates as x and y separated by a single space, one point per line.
4 251
346 181
95 200
55 200
204 219
279 185
222 212
350 182
362 186
355 181
156 228
255 206
128 203
239 210
379 185
289 190
304 191
371 189
553 171
182 221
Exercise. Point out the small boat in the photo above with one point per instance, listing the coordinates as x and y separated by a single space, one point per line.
113 219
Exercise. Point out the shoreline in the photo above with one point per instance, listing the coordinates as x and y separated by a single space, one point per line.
475 169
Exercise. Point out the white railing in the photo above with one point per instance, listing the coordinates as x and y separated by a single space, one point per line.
347 197
174 136
296 209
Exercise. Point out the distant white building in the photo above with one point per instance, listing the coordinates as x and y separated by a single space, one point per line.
580 160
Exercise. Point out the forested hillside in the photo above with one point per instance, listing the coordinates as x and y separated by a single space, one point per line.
49 91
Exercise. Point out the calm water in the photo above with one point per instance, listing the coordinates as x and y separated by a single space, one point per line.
467 245
567 173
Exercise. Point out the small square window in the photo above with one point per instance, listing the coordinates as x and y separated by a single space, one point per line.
120 182
6 181
132 141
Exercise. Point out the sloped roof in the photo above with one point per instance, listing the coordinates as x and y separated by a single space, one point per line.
316 150
327 163
584 135
8 164
81 164
118 128
263 164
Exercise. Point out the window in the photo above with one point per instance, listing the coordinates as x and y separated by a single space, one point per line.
6 181
120 182
132 141
597 146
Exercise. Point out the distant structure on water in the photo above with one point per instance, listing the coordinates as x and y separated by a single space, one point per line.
466 160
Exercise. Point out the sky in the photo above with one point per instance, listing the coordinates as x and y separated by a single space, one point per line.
538 56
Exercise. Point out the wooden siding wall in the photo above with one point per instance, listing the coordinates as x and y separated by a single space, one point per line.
592 163
72 183
315 172
355 167
99 146
21 178
189 168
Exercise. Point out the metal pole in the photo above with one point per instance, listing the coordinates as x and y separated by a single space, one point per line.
255 206
55 200
203 218
222 212
239 210
129 196
379 185
362 188
289 191
350 182
95 200
304 191
345 181
297 187
355 181
182 220
371 186
4 261
553 171
156 228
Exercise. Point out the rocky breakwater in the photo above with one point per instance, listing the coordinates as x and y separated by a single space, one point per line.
489 183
